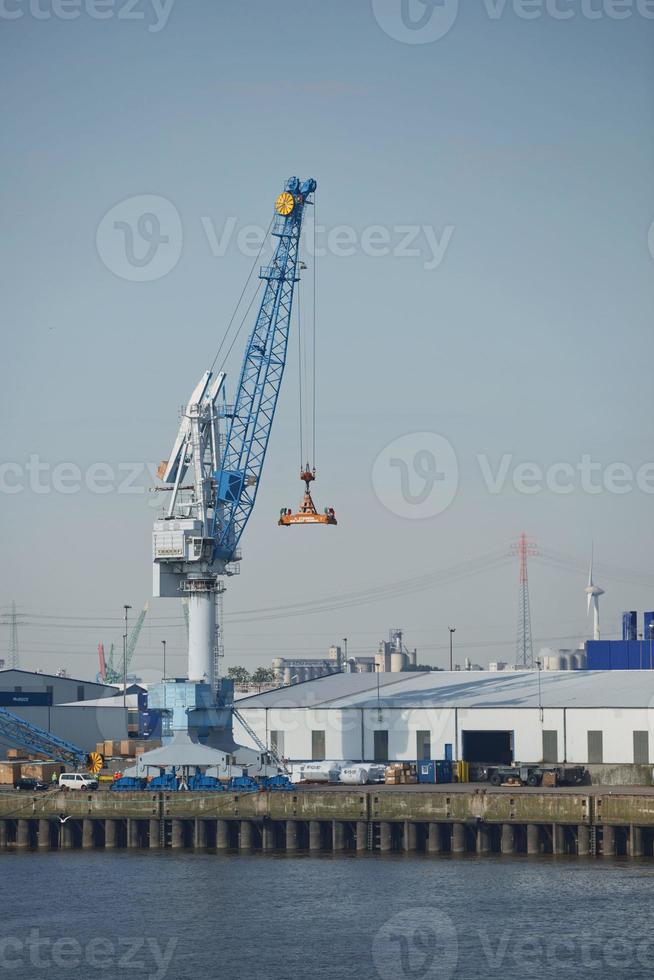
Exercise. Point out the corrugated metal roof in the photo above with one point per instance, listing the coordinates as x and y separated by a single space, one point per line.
40 674
468 689
320 689
131 701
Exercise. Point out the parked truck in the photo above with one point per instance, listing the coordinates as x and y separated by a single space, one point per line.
536 775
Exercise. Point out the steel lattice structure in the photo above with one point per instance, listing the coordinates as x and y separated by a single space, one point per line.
524 548
24 735
261 376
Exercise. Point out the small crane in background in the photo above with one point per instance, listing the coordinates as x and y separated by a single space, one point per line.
109 673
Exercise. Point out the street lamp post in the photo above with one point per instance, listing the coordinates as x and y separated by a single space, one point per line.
452 632
651 632
163 643
378 668
344 665
539 665
126 608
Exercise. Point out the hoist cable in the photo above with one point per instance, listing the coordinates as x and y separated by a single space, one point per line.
240 299
299 353
314 333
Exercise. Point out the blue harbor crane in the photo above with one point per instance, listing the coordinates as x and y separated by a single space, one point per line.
215 467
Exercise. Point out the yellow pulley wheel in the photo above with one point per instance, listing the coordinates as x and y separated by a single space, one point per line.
94 762
284 203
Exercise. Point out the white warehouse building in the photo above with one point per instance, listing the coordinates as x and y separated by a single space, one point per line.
580 717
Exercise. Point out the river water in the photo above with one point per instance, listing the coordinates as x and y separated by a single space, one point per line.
366 917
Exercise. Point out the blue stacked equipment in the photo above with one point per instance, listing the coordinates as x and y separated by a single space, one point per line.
242 783
128 784
166 782
277 783
200 783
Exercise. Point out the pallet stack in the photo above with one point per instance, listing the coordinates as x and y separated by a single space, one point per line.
10 771
400 773
127 748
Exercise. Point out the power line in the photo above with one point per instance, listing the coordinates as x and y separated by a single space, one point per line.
377 594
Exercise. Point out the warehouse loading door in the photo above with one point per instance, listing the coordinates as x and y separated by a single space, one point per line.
494 748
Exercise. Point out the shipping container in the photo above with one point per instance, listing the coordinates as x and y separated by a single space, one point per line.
435 771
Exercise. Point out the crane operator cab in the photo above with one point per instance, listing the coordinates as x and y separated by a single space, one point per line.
307 513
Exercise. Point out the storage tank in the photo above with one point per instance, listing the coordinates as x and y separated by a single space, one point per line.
354 775
320 772
398 662
556 662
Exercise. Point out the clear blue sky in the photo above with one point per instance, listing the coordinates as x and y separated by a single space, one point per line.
527 143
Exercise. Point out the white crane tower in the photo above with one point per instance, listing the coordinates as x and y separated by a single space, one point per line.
183 543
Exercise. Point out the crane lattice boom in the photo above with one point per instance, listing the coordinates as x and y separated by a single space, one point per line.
262 371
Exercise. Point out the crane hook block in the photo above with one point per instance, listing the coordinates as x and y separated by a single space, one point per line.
307 513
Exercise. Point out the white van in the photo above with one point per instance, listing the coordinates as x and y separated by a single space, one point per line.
77 780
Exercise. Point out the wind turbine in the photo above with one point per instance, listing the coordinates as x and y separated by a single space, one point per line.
593 593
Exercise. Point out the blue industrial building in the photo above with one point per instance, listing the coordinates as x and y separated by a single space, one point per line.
633 652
